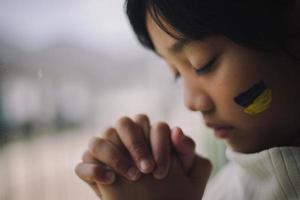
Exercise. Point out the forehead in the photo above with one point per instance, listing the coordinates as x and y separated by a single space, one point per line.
160 39
165 44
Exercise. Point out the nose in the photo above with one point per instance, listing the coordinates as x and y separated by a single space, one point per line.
196 99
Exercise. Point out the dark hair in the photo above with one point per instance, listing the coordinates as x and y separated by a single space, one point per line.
260 24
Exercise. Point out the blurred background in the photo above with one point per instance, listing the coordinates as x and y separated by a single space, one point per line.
69 69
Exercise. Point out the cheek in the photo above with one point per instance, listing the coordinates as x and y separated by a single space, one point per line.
249 124
227 88
245 83
256 99
226 108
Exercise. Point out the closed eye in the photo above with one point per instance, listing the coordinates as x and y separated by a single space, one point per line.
204 69
176 76
199 71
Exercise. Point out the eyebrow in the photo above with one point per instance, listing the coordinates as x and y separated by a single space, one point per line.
179 45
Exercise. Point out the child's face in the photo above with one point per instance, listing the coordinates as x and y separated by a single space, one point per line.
234 69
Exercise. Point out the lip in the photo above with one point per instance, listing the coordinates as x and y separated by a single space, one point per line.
221 131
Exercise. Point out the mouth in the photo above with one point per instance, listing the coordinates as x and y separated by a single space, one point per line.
221 131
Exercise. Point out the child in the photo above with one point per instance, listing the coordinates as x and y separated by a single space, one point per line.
239 65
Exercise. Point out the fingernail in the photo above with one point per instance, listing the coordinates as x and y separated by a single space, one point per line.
145 165
109 177
159 173
178 130
133 173
173 130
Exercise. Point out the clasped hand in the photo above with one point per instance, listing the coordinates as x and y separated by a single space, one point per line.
134 160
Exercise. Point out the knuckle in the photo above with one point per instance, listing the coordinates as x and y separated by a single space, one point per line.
88 172
127 126
109 133
120 164
85 155
142 117
132 129
77 169
162 127
95 143
124 122
137 148
81 171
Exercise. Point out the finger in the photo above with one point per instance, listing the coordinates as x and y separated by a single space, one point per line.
92 184
92 173
88 158
144 122
111 134
110 155
184 146
134 140
96 189
200 172
161 148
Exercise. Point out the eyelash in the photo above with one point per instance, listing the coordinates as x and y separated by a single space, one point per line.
176 76
199 71
203 69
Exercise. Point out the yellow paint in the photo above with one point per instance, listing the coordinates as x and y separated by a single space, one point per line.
260 104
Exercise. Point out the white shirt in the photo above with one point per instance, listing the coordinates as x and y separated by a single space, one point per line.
272 174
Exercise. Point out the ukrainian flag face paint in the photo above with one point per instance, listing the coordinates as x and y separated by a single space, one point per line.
256 99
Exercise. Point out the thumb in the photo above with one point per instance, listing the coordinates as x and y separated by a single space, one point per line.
200 172
184 147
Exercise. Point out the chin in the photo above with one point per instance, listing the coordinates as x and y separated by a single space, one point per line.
245 147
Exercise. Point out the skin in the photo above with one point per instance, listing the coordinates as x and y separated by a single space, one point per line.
177 185
235 70
117 151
